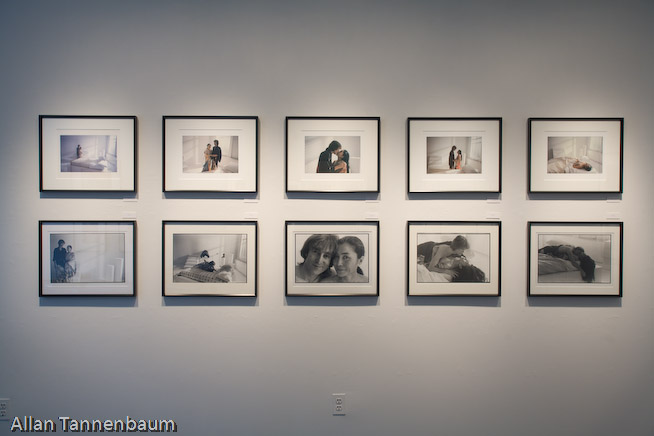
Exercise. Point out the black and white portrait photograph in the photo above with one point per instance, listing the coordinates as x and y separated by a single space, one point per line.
575 258
87 258
332 154
209 258
574 154
453 258
331 259
454 154
89 153
319 147
210 153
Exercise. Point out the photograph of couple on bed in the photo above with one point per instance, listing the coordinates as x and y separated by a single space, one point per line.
570 258
210 258
209 154
331 258
574 154
446 257
88 153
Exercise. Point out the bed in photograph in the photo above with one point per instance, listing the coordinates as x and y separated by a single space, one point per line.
565 165
91 164
191 272
553 269
426 276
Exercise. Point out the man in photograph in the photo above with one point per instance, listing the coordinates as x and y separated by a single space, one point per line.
216 154
452 157
59 260
325 164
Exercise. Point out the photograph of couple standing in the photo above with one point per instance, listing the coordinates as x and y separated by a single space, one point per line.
210 154
332 154
454 154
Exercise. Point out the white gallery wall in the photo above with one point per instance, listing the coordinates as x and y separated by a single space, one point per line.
511 365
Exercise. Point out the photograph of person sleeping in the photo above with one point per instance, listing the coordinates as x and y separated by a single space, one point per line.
570 258
331 258
210 258
454 154
332 154
574 154
88 153
210 154
445 257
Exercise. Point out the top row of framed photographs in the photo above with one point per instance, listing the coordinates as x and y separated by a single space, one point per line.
329 154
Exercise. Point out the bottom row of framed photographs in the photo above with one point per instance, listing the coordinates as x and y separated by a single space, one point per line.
330 258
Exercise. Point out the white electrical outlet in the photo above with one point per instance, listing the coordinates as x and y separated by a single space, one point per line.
338 404
4 409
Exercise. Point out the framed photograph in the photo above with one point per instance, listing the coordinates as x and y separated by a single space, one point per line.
210 153
575 154
87 153
575 259
84 258
209 258
332 258
332 154
453 258
454 154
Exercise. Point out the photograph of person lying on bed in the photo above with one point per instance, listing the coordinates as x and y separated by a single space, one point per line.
209 258
89 153
453 258
568 258
574 154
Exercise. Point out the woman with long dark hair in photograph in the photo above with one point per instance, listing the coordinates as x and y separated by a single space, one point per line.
342 164
347 261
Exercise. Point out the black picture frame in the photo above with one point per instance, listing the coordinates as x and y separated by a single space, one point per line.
575 155
349 266
99 258
209 258
432 161
454 258
106 161
233 168
309 167
575 259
